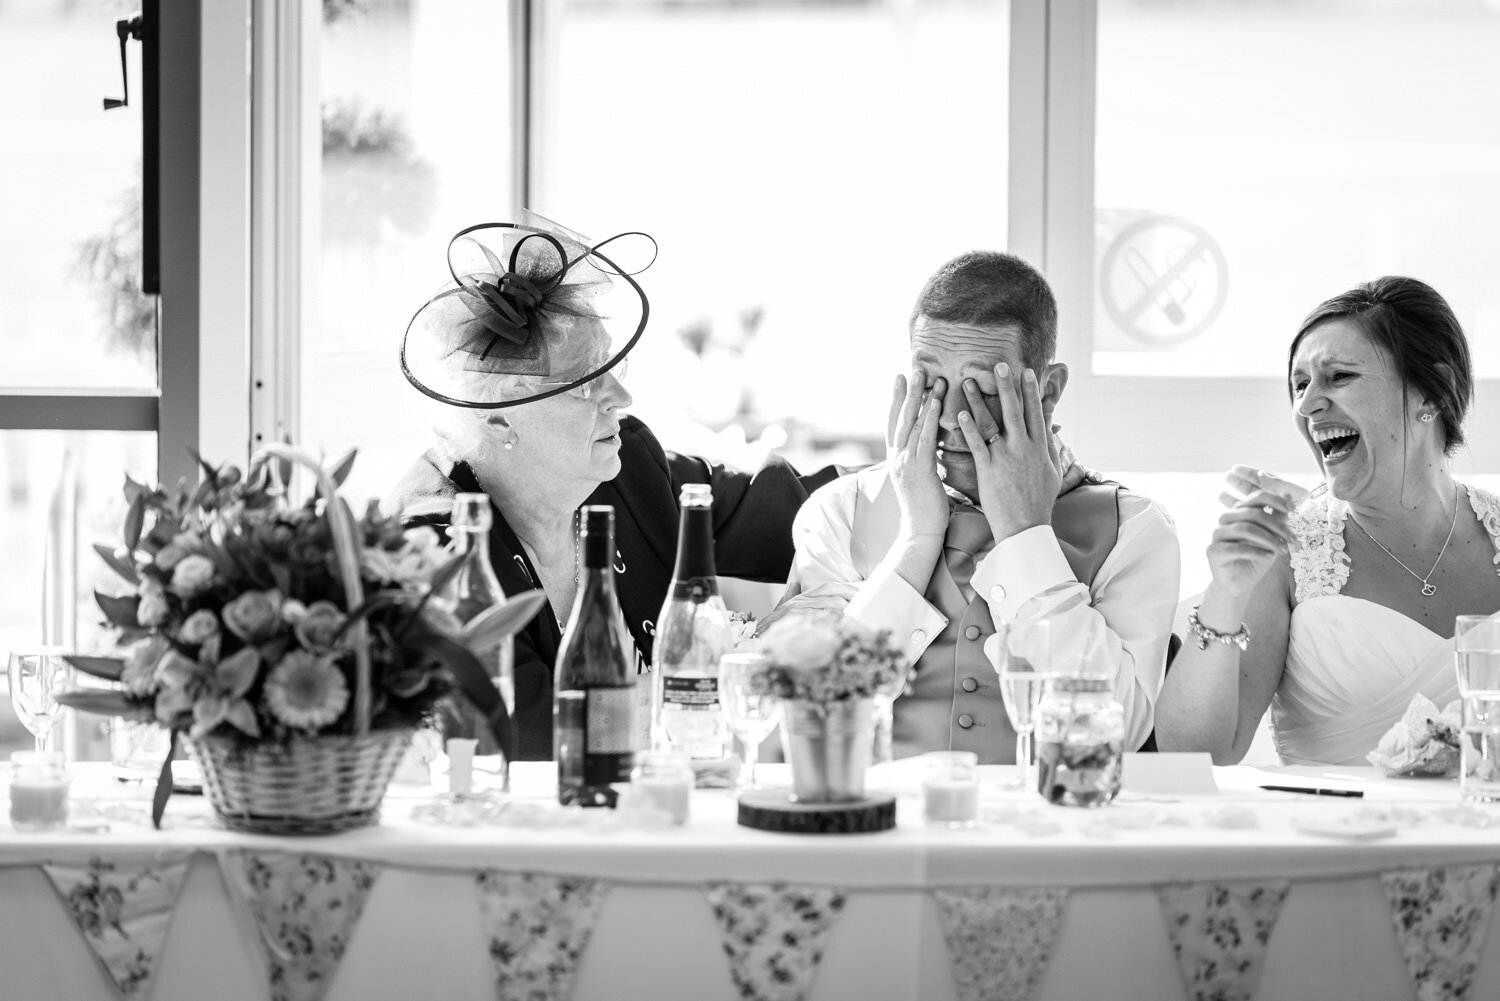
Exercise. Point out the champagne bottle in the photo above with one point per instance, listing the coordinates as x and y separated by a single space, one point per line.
476 589
595 689
692 633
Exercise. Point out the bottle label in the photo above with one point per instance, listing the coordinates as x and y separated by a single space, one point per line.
608 724
683 692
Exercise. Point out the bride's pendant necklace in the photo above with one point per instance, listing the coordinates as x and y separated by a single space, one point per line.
1428 589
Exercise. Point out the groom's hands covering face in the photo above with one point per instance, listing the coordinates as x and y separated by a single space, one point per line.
911 456
1017 465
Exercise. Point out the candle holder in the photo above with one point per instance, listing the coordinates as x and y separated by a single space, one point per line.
663 781
38 790
950 788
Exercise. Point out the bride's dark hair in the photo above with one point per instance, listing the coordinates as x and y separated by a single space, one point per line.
1417 328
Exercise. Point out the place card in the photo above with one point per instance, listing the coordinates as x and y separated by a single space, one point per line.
1177 774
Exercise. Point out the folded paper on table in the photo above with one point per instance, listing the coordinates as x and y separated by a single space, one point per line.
1177 774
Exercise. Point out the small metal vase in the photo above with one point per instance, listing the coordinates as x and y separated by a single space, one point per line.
829 750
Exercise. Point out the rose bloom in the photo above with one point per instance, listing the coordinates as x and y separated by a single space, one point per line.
183 545
801 643
193 574
317 628
198 627
153 609
254 615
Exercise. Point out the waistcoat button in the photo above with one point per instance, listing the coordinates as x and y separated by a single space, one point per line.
971 633
966 721
968 684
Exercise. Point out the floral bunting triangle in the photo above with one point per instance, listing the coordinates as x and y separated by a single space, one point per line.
538 927
773 935
1442 916
999 939
306 908
124 911
1219 933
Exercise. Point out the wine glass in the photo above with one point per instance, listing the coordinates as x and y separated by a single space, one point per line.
751 715
1023 664
36 677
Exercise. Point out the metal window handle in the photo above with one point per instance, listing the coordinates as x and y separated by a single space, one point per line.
125 29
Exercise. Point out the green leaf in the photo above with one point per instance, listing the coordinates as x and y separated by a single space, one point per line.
102 702
242 718
209 472
338 470
224 564
489 628
236 673
118 564
443 575
108 668
475 684
371 605
121 610
163 784
135 520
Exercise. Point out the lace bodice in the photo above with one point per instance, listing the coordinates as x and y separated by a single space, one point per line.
1319 564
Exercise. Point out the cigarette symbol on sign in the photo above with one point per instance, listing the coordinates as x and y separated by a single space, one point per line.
1163 280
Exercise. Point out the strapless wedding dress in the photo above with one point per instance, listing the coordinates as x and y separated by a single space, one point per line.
1352 666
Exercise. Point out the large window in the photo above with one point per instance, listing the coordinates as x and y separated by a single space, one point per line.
78 337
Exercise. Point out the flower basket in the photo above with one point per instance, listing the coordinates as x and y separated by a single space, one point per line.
294 650
318 785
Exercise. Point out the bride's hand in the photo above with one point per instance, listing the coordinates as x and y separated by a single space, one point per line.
1252 535
1248 479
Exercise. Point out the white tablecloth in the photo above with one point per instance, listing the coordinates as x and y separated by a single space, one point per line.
656 937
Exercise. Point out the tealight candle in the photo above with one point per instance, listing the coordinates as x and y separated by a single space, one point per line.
461 766
664 782
950 789
38 790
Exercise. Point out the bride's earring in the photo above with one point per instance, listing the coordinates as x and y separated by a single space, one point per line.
510 443
1425 418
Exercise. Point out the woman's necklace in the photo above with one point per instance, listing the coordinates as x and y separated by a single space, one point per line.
1428 589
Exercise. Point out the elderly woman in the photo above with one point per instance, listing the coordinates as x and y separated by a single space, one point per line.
528 348
1338 607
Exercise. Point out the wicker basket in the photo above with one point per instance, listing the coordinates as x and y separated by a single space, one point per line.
310 786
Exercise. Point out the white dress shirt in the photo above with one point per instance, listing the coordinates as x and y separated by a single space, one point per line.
1122 621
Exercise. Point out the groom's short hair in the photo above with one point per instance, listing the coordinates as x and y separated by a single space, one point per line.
987 288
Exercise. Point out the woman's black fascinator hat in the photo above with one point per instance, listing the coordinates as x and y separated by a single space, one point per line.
533 310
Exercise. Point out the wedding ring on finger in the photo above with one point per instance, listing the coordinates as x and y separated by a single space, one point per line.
1268 509
992 438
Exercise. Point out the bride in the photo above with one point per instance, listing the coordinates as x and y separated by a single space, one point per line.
1336 607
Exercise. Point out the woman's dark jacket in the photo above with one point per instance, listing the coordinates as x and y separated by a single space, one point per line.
753 515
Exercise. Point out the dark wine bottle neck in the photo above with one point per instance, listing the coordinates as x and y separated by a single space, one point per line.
695 545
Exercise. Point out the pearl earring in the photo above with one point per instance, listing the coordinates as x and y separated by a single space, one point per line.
510 445
1426 418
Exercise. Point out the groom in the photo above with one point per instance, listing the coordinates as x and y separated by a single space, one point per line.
980 515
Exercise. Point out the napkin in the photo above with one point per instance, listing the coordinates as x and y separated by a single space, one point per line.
1423 742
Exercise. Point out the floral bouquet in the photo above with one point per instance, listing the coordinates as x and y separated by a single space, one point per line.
821 659
253 624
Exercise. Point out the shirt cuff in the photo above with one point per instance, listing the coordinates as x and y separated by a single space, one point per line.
1020 568
885 601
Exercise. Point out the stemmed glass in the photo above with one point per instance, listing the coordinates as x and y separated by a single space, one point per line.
1023 662
751 715
36 677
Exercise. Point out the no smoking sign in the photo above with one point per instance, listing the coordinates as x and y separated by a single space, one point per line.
1163 281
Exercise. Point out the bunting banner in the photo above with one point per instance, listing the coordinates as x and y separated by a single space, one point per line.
1219 933
124 911
1000 940
538 928
306 908
1442 916
773 935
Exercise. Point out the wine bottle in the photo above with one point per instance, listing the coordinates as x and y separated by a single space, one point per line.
692 633
594 697
476 589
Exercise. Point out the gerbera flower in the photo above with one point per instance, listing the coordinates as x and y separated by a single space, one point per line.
306 691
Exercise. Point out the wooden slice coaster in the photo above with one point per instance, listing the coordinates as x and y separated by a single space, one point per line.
772 810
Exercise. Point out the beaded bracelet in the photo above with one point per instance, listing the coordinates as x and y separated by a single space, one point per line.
1205 635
